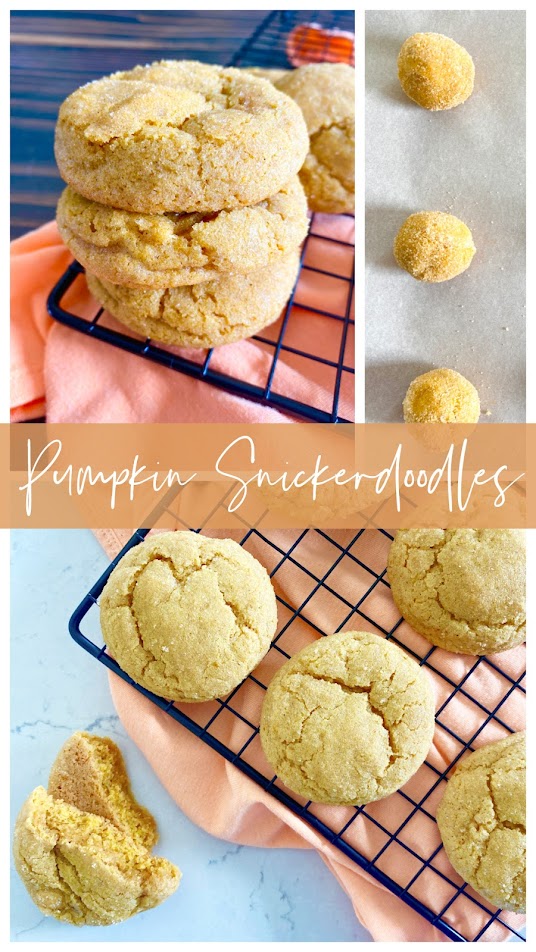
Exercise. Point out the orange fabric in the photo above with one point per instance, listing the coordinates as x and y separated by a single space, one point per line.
218 797
80 380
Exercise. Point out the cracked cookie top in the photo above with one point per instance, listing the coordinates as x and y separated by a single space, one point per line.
325 93
347 720
188 617
463 589
482 818
179 136
81 869
165 251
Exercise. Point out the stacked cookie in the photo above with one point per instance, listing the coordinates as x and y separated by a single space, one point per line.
183 201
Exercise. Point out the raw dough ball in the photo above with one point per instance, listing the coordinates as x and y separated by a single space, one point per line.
434 246
441 396
435 72
482 821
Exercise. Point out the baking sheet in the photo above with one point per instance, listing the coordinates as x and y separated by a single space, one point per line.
469 161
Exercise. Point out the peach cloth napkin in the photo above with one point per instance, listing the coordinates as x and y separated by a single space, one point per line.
218 797
74 379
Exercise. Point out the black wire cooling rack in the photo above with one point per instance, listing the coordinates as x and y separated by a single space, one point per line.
387 835
267 47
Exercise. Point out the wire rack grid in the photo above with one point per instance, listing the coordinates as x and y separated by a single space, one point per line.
384 838
281 344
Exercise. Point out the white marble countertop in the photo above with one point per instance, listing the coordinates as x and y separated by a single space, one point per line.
228 892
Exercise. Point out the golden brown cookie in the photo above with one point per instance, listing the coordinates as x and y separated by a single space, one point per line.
441 396
325 92
79 868
434 246
89 772
463 589
204 315
179 136
348 719
482 821
165 251
435 71
188 617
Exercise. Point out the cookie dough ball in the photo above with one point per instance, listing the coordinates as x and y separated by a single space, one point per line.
79 868
179 136
482 819
325 93
203 315
347 720
435 72
188 617
463 589
441 396
89 772
434 246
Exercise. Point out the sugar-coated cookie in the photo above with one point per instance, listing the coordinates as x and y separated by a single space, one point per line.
348 719
482 821
463 589
188 617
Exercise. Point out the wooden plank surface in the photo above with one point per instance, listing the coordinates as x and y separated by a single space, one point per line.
54 52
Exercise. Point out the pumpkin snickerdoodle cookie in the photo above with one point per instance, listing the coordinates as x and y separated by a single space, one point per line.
347 720
172 249
482 821
188 617
89 772
463 589
325 92
179 136
203 315
81 869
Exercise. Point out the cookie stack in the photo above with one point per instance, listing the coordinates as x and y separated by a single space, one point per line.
183 201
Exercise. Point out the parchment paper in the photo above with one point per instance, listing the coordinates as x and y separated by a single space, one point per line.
469 161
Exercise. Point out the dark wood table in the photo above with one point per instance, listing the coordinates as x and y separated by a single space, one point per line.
54 52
